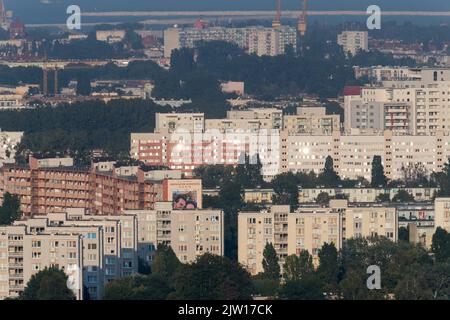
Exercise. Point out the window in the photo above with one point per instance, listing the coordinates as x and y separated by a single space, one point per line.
91 235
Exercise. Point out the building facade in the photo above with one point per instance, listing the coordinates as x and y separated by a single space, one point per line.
255 40
190 233
353 41
308 228
92 250
54 185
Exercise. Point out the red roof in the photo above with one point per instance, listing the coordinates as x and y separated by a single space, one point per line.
352 91
17 24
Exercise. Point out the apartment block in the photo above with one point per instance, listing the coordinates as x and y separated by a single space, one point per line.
405 107
353 154
380 74
186 141
308 228
442 213
353 41
311 120
360 195
54 185
418 218
190 233
91 250
257 40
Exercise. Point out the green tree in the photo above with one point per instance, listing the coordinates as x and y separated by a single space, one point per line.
414 284
323 199
10 209
329 177
383 197
378 177
306 288
48 284
285 189
441 244
212 277
165 262
403 234
403 196
84 85
296 267
328 269
139 287
249 173
444 181
270 262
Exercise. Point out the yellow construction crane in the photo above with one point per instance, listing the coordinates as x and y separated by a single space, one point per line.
277 22
302 24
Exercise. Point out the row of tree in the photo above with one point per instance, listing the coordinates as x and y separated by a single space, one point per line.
404 271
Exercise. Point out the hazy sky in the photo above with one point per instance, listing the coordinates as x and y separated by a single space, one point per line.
101 5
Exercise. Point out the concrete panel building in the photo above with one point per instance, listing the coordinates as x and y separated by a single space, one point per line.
190 233
92 250
308 228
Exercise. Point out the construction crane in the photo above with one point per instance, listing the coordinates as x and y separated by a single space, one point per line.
302 25
277 22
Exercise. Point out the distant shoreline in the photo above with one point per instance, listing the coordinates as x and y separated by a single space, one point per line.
187 17
258 13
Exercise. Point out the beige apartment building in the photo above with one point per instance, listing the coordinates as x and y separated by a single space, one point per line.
311 120
92 250
353 41
353 154
442 213
308 228
190 233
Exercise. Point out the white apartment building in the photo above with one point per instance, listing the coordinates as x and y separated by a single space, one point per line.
420 108
257 40
386 74
308 228
364 195
190 233
353 41
353 154
92 250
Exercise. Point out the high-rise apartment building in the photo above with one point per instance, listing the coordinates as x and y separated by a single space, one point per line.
257 40
354 41
308 228
405 107
312 121
186 141
190 233
353 154
92 250
46 186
